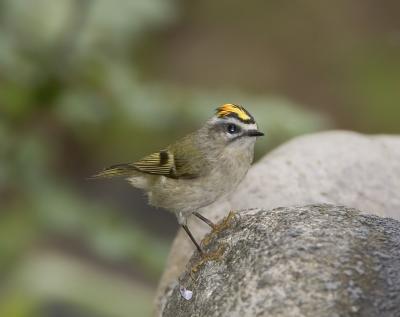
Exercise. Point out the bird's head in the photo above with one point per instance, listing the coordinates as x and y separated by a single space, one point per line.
233 125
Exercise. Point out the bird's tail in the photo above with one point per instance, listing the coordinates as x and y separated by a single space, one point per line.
115 171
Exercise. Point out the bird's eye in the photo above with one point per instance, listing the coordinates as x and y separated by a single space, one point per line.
232 128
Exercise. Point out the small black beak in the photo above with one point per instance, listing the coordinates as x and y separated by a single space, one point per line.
254 133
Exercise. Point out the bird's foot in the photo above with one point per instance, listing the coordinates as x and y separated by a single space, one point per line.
221 226
224 224
206 257
213 255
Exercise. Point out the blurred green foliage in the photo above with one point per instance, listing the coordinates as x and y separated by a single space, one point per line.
75 97
64 64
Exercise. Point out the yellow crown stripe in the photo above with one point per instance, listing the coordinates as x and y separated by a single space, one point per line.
227 109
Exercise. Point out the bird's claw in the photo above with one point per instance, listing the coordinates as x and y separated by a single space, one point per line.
206 257
217 228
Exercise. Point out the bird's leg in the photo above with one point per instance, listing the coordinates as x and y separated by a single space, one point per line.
193 239
207 221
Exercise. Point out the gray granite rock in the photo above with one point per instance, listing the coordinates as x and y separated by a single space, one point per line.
336 167
317 260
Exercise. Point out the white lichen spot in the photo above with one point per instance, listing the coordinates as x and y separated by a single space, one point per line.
186 294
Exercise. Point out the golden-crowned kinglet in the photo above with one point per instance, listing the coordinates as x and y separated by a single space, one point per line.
198 169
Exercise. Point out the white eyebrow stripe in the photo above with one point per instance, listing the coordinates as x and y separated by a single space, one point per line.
242 125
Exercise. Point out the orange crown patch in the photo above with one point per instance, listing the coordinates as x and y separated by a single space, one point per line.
231 110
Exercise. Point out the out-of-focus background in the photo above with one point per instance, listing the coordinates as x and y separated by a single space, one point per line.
89 83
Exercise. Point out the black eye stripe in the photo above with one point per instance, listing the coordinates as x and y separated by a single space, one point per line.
232 128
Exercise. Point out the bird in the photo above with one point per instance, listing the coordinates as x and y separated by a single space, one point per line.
198 169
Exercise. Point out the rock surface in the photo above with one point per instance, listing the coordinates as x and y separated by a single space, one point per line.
318 260
336 167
